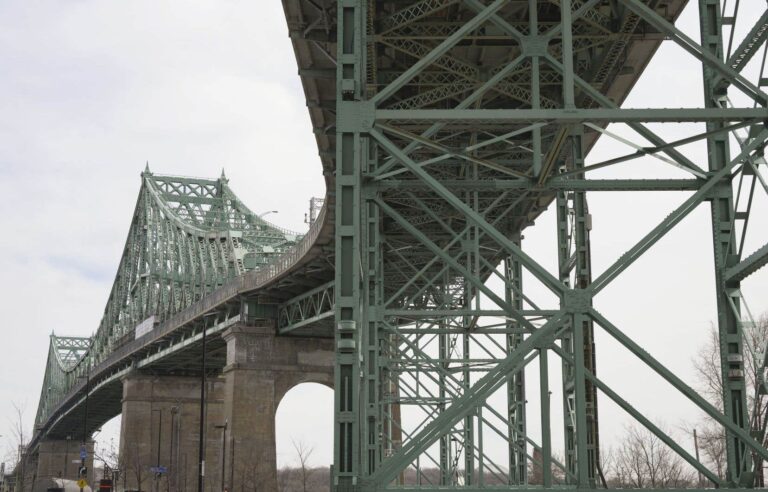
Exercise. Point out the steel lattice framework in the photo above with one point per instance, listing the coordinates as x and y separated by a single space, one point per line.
457 122
188 238
445 128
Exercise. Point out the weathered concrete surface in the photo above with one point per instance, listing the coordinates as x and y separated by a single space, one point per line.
55 460
169 407
261 368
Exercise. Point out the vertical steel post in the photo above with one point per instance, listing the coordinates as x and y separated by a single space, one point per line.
739 461
372 295
533 20
564 240
350 156
444 353
582 228
546 439
516 414
466 321
580 411
579 395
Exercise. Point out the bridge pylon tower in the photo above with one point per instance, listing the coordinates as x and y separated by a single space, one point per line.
457 123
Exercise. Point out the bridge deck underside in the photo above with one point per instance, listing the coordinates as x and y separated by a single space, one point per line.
469 157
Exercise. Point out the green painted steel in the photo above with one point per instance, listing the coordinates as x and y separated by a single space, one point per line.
309 309
64 354
739 462
457 124
187 237
445 129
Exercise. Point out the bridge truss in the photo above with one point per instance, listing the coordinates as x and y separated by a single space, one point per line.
188 238
457 122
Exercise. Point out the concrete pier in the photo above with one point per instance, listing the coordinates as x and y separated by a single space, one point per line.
261 368
60 459
160 428
160 414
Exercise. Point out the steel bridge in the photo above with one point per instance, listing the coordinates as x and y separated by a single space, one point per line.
444 129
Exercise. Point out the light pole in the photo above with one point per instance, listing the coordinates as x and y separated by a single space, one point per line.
66 457
83 448
201 449
173 474
223 450
264 214
159 436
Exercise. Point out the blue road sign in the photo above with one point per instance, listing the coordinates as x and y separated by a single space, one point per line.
83 453
159 469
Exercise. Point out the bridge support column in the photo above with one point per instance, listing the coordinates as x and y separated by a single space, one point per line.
160 426
60 459
260 369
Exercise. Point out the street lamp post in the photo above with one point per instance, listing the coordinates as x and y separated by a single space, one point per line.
66 457
264 214
85 413
201 449
159 436
223 451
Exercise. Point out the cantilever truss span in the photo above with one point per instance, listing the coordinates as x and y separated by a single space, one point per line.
188 237
451 126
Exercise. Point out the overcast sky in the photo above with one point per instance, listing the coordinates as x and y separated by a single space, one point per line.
92 90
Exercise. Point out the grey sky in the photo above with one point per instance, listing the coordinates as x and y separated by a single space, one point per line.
91 90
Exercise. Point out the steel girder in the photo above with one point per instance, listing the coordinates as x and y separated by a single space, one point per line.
307 310
188 237
426 348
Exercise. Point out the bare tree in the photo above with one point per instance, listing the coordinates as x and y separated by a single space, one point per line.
711 438
606 465
22 471
131 462
246 470
706 364
710 382
303 453
109 457
642 460
536 470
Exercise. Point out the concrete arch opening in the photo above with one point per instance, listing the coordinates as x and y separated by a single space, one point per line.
261 370
106 449
304 434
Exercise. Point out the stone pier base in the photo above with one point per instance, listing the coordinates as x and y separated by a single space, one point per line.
60 459
161 415
260 369
160 428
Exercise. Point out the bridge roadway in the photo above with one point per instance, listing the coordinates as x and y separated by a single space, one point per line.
291 294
